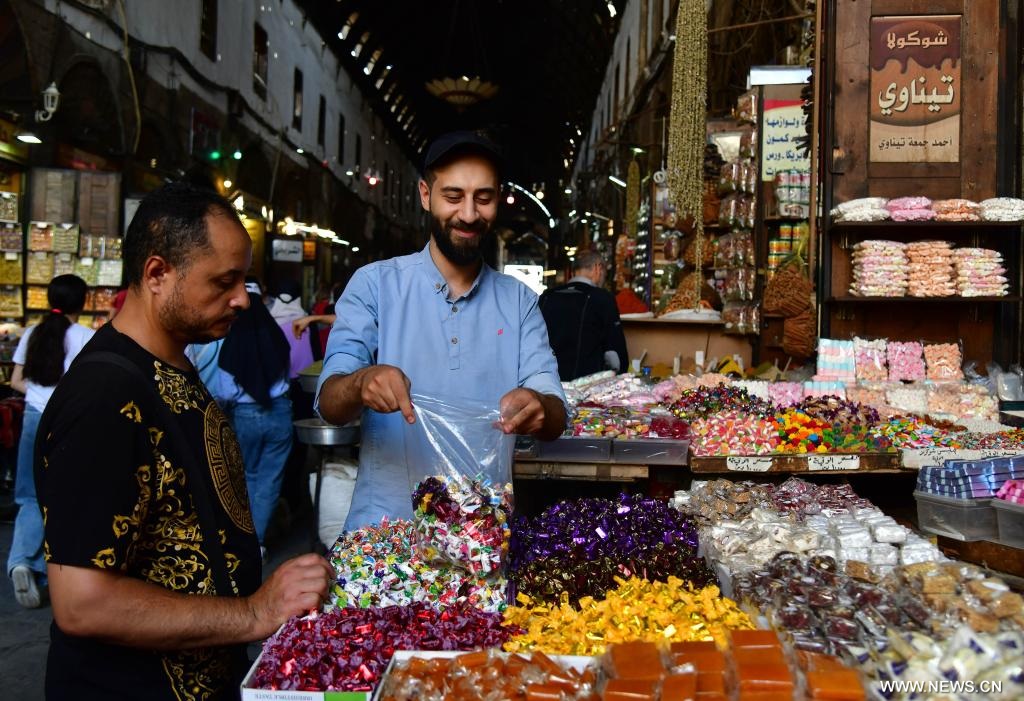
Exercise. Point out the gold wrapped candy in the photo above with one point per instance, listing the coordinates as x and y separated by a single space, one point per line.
669 611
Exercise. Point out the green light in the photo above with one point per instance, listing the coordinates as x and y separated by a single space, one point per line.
215 155
237 155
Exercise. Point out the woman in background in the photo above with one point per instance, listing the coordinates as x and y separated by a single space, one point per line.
44 354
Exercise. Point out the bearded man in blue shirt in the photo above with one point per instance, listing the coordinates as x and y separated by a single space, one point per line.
439 322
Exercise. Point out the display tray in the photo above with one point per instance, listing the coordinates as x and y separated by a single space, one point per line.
576 662
249 693
959 519
571 448
1010 521
822 462
651 451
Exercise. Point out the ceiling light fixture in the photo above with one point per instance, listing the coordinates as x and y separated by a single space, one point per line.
618 181
464 91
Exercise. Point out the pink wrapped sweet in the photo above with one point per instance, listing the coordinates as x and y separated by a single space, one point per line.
786 394
906 361
908 203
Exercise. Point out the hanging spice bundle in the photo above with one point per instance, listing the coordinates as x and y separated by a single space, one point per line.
687 124
632 197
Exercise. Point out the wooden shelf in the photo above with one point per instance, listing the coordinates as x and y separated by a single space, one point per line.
926 300
708 322
964 225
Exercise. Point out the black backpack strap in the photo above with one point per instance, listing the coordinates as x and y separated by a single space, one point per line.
200 494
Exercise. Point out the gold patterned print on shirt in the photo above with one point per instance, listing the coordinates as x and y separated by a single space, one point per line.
197 674
177 392
222 451
226 467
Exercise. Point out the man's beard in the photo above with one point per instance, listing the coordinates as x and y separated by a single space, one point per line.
458 250
183 322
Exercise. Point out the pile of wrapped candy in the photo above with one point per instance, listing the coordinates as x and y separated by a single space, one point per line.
577 549
1002 209
957 209
870 209
348 649
970 479
702 402
910 209
930 269
636 609
980 273
861 210
879 269
925 622
734 433
1012 491
462 522
379 566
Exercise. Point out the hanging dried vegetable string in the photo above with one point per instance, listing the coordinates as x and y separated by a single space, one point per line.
687 125
632 197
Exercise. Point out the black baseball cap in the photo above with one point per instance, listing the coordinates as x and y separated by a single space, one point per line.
462 142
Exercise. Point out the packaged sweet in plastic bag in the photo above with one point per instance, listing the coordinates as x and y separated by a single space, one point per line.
460 473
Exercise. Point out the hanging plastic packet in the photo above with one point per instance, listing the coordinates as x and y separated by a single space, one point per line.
460 474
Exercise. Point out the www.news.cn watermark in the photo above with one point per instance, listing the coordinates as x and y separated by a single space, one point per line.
941 686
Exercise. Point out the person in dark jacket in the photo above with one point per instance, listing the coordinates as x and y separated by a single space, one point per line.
583 322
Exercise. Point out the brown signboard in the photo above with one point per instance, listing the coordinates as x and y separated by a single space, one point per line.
914 96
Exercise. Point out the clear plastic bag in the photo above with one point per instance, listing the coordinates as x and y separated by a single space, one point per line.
460 474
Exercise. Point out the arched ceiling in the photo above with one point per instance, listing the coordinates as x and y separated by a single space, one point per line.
547 57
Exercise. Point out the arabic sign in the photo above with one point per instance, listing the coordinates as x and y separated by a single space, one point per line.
741 463
831 463
915 89
784 123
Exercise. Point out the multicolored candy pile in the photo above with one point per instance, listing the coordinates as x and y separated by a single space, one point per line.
461 522
578 549
349 649
378 566
703 402
734 433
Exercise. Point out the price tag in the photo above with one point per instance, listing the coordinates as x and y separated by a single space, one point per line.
994 453
828 463
10 255
87 261
748 464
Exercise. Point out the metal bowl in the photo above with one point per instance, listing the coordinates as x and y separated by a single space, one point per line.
318 432
308 383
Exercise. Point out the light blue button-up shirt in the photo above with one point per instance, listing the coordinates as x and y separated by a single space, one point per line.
477 347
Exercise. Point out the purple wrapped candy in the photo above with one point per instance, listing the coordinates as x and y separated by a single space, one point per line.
578 548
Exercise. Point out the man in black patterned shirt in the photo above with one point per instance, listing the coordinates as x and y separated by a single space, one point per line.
133 578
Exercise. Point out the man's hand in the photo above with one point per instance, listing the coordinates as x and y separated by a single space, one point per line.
528 412
297 586
385 388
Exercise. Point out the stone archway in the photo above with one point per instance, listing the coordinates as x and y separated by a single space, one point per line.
89 116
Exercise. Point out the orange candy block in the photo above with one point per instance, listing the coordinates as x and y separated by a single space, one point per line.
636 660
679 687
705 662
696 646
630 690
746 656
835 685
543 692
765 696
818 662
764 677
754 638
712 682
